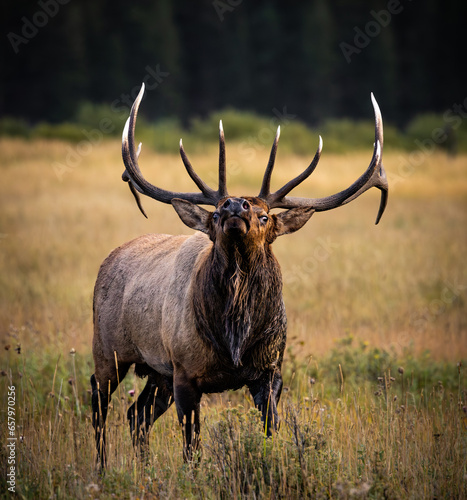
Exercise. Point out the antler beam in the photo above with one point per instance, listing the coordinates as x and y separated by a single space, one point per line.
374 176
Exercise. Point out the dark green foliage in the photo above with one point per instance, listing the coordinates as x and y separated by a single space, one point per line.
355 365
251 132
14 127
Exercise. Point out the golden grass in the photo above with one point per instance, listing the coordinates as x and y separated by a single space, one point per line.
397 444
399 287
400 283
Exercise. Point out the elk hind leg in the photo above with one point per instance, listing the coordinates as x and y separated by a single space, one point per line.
103 383
153 401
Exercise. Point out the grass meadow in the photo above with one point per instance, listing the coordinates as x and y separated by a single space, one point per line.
375 396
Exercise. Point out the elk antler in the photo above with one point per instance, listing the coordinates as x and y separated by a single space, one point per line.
138 183
374 176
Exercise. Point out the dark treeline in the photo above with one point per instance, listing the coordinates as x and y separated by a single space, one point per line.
318 59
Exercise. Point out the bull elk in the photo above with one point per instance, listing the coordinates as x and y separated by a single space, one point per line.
202 313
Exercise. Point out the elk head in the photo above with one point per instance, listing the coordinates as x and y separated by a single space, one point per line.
248 219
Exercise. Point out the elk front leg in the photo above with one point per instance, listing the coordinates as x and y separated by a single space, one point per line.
187 401
266 393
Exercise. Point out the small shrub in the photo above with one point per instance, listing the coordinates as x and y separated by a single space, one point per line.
431 131
238 125
164 135
64 131
100 116
14 127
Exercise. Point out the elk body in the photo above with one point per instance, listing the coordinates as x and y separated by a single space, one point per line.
202 313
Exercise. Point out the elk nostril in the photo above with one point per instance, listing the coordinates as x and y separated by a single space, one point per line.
226 204
245 205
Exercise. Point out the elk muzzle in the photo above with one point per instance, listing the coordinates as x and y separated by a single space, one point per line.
235 216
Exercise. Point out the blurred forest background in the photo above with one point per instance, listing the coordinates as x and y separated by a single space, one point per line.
314 59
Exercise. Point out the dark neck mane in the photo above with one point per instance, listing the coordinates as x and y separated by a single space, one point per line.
238 300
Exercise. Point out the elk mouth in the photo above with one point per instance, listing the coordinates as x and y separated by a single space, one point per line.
234 225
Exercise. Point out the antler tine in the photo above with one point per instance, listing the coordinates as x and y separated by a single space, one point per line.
128 139
133 187
134 175
374 176
378 179
204 188
266 185
275 199
222 191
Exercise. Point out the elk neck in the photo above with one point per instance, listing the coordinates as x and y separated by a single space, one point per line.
238 296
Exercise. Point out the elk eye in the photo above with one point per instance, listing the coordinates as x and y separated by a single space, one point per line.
215 216
264 219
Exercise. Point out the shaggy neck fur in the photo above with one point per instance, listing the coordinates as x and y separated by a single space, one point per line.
238 300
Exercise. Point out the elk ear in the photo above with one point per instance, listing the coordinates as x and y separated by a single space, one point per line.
192 215
292 220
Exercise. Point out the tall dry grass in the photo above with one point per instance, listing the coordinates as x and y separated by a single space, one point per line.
402 282
359 299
